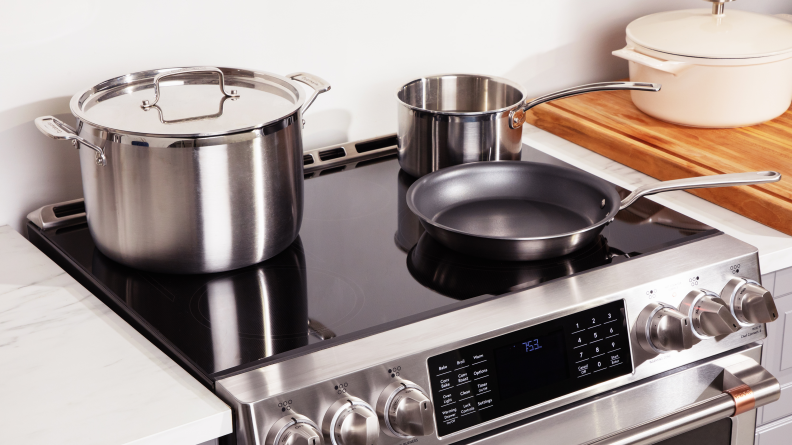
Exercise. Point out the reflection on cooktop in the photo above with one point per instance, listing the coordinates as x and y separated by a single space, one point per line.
362 261
460 276
225 319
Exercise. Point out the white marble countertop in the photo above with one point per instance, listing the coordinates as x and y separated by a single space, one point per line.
775 248
73 372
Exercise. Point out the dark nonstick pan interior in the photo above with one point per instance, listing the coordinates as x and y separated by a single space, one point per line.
514 200
523 211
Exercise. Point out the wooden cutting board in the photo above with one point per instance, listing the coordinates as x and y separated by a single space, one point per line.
608 123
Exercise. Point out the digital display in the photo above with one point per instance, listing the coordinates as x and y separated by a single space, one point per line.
531 364
502 375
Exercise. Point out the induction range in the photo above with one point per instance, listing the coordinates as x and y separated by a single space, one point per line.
366 319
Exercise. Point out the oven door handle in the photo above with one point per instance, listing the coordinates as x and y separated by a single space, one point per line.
747 386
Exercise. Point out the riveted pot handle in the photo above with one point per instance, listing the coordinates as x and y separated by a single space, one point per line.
666 66
192 70
57 129
517 115
318 84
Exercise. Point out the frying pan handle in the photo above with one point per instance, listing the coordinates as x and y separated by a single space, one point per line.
701 182
517 116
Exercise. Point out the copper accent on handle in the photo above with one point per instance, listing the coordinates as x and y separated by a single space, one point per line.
744 399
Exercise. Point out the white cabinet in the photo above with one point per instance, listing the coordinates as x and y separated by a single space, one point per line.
777 358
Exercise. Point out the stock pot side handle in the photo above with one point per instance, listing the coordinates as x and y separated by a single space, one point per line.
517 115
318 84
57 129
667 66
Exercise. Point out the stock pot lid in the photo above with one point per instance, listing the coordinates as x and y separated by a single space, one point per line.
699 33
191 102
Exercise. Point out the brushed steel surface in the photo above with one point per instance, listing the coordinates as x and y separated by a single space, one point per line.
350 421
750 303
405 410
264 98
197 195
192 70
364 367
711 181
737 399
195 206
454 119
522 211
662 328
517 116
45 217
294 429
708 314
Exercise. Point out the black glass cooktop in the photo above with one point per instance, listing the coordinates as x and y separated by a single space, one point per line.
361 264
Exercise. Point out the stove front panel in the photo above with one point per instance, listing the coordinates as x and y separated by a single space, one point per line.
414 353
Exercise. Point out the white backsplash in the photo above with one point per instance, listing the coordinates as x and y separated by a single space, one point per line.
366 49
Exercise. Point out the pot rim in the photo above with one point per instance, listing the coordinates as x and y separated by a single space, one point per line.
709 61
115 82
511 83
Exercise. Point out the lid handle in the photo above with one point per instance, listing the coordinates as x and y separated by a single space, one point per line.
718 6
192 70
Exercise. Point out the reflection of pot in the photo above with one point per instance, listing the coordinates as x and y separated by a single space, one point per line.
461 276
409 226
225 319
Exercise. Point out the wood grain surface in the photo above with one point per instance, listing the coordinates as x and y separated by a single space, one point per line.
608 123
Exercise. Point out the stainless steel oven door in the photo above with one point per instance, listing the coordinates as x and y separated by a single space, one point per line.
712 402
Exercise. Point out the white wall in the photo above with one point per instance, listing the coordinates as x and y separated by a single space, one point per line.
50 49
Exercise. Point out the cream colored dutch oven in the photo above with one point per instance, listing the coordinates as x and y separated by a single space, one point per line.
719 68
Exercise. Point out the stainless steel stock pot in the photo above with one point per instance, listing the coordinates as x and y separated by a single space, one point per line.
191 170
454 119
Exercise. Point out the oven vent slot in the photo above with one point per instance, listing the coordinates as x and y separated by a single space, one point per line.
376 144
308 160
69 209
333 153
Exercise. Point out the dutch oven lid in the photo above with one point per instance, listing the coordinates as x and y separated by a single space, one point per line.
188 102
700 33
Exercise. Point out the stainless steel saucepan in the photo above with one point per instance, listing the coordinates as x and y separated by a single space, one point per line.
519 211
454 119
191 170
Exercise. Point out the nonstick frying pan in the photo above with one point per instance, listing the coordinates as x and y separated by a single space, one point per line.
520 211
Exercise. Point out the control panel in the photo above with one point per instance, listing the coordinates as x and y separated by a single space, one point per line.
484 366
496 377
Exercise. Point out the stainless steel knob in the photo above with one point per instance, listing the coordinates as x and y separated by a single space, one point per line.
351 421
750 303
405 410
294 429
664 329
708 314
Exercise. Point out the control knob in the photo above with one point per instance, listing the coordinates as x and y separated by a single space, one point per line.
708 314
664 329
750 303
405 410
351 421
294 429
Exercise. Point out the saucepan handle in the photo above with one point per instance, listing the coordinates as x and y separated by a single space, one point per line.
318 84
517 116
57 129
192 70
701 182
